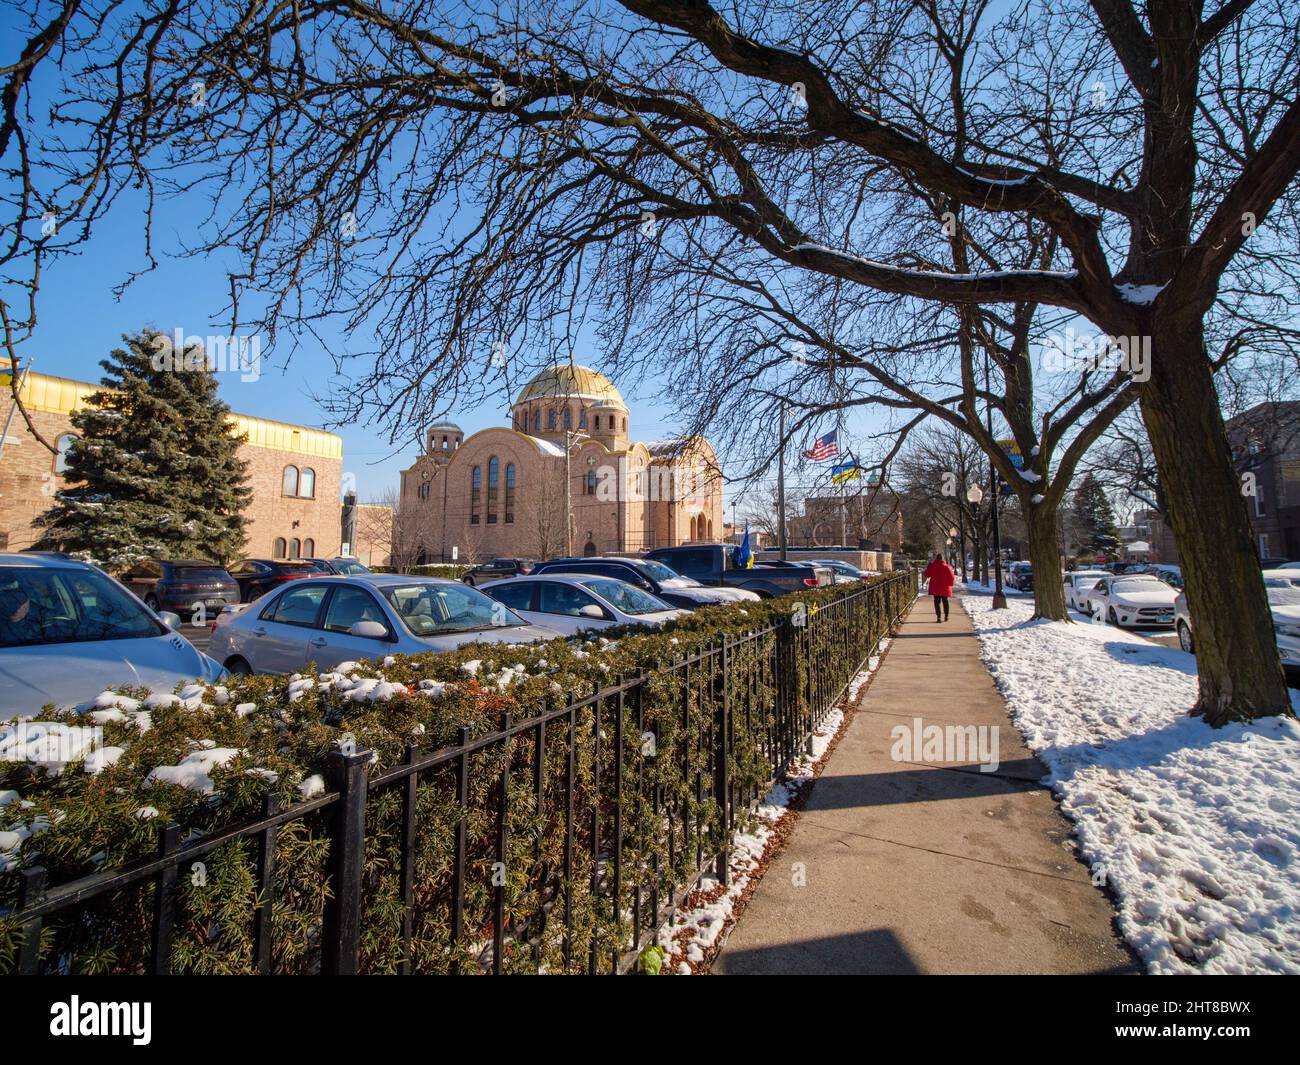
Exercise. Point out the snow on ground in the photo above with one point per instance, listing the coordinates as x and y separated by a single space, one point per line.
695 932
1195 830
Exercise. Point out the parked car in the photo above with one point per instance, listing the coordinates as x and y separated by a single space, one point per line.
1167 572
340 567
1285 565
68 631
497 569
1078 582
257 576
1135 600
1282 586
193 589
650 576
581 602
715 565
331 620
841 570
1020 576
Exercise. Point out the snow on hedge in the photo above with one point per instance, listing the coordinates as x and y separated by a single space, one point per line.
1195 830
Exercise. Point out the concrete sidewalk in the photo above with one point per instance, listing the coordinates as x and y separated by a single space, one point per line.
916 867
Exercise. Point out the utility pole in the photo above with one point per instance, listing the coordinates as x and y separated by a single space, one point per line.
780 488
568 497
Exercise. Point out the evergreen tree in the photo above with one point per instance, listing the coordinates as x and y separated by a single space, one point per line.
154 471
1094 518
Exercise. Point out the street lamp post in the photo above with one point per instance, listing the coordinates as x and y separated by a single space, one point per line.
975 493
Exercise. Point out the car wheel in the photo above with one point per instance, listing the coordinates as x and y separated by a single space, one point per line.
239 667
1111 616
1185 638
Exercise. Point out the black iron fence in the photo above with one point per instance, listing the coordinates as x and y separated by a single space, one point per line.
556 843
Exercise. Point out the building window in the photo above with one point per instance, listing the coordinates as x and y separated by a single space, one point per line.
596 422
476 487
550 421
423 490
589 485
582 418
537 421
278 550
568 419
295 548
61 455
1260 509
307 483
1263 545
494 470
510 493
309 548
625 425
291 480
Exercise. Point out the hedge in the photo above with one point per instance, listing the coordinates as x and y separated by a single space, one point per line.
272 736
454 572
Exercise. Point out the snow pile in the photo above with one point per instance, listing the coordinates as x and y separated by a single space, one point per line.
1196 830
194 770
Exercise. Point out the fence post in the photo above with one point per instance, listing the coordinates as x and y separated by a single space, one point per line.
722 786
341 927
31 890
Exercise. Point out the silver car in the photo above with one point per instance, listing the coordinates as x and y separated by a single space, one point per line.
330 620
68 631
581 602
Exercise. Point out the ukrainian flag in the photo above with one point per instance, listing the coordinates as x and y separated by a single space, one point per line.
744 556
850 471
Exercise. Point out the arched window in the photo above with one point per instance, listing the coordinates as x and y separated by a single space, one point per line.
510 493
596 421
582 418
290 481
61 455
550 421
568 418
475 488
423 490
625 425
295 548
307 483
278 550
537 421
589 484
309 548
494 471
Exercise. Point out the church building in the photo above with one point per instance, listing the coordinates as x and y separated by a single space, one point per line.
505 492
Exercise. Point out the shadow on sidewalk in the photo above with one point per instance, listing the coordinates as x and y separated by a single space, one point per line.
925 783
860 953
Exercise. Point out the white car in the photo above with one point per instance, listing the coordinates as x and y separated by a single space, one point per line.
68 631
580 602
1078 583
1282 586
659 580
1136 600
329 620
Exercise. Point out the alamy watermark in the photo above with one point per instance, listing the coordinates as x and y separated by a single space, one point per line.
1072 352
174 352
920 742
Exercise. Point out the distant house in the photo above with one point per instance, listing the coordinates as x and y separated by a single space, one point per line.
1266 448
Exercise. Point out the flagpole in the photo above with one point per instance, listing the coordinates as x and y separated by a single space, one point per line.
780 488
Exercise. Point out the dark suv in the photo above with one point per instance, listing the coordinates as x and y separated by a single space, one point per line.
257 576
187 587
339 567
497 570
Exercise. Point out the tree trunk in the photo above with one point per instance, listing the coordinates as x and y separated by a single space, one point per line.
1040 526
1236 652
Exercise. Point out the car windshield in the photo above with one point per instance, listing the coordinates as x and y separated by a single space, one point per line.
1137 584
624 597
664 574
347 566
438 609
68 606
1282 593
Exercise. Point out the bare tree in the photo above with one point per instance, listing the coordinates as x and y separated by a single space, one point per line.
644 166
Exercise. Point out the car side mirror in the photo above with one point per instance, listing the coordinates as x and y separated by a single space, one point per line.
368 630
171 620
591 611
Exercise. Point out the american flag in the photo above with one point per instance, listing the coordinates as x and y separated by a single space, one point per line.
824 447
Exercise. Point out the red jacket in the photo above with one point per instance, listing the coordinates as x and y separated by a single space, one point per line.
940 576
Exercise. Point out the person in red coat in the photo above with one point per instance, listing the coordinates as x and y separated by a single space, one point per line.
941 578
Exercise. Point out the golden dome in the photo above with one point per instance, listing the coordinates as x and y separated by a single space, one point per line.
567 381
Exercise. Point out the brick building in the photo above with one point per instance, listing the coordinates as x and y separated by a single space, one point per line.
502 491
294 473
1266 444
